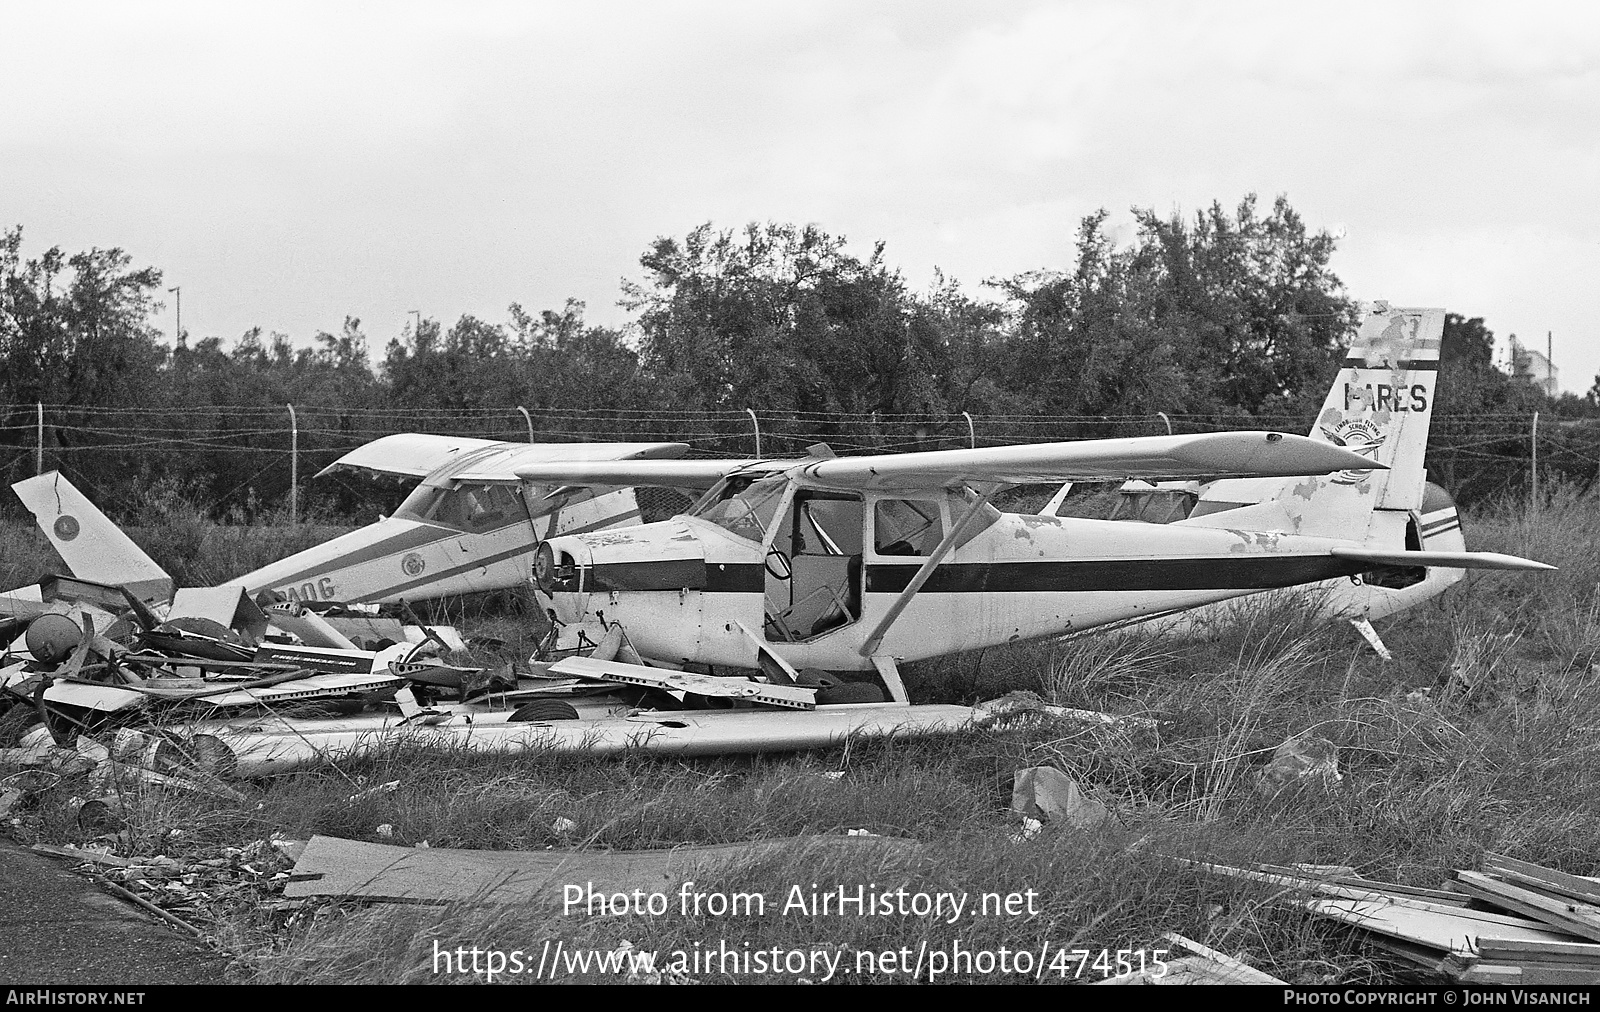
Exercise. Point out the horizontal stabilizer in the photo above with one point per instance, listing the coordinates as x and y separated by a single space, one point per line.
1450 560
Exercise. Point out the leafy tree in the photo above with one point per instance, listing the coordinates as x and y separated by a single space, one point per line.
566 363
75 329
777 317
1232 313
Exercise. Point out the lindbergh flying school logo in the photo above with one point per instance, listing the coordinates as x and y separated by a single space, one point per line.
1358 435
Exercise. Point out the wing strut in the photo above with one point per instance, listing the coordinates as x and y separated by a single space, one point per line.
870 647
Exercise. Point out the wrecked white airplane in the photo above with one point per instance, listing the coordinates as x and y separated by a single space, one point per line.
451 536
854 564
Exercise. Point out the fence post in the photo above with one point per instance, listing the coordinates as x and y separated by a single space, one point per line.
1533 501
972 434
294 468
1164 418
38 451
529 420
752 413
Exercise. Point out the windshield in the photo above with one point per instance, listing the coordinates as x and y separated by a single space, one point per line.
743 506
475 509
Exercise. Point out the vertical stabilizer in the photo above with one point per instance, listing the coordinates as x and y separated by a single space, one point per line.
91 545
1380 405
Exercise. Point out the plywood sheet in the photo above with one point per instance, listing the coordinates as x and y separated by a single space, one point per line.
333 867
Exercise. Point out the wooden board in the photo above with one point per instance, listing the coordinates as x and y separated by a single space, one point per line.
334 867
1448 929
1562 914
1539 877
1507 950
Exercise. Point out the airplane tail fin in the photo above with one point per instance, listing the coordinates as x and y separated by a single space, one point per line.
91 545
1380 406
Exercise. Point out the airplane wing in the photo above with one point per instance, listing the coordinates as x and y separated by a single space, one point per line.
418 454
1206 455
407 453
661 473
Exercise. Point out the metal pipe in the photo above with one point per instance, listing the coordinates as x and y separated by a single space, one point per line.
294 468
38 453
177 290
529 420
1164 418
1533 501
972 434
753 421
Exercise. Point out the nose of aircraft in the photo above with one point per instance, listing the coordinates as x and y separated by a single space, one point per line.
559 568
658 556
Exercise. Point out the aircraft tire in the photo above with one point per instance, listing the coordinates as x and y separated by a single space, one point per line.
545 709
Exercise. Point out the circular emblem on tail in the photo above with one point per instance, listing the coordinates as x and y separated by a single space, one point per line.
413 565
1358 435
66 527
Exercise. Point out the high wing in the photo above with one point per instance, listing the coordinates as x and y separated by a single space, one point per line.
662 473
407 453
1208 455
419 454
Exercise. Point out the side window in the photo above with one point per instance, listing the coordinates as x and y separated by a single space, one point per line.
827 525
906 527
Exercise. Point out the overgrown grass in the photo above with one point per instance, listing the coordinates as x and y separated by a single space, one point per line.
1481 734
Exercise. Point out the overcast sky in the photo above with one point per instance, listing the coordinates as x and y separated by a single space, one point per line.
291 164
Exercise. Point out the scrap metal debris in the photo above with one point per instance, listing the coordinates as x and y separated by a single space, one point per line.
1206 966
1514 922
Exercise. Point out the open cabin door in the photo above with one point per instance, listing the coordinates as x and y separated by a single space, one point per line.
813 569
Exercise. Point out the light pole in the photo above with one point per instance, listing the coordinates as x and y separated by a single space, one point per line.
177 290
416 334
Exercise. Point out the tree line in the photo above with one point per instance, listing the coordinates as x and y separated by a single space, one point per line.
1230 313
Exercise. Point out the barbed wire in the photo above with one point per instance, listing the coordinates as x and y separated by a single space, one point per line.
243 452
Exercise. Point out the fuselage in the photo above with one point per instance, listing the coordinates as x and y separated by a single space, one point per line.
441 541
815 574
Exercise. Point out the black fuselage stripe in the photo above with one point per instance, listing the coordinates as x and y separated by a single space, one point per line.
1230 573
427 578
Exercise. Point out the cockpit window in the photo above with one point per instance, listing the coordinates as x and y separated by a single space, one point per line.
472 508
1156 506
743 507
907 527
